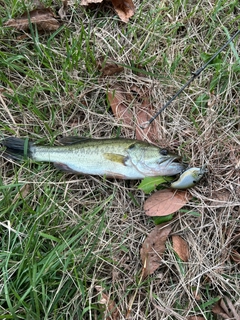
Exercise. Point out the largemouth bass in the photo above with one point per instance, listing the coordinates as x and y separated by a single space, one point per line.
118 158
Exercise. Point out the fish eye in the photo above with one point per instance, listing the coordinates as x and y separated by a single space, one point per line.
164 152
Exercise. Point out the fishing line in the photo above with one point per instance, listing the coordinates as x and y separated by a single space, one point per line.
195 74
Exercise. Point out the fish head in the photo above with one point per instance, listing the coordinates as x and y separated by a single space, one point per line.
154 161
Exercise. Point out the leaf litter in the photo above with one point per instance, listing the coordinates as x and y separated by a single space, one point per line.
108 67
43 18
165 202
124 8
131 108
180 246
120 108
153 248
225 308
111 310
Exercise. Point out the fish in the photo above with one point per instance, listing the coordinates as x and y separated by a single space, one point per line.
189 178
114 157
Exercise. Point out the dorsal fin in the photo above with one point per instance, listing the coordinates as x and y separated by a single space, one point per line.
73 140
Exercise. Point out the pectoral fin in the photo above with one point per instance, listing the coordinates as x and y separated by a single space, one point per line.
116 158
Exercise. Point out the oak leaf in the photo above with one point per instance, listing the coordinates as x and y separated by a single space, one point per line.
165 202
153 248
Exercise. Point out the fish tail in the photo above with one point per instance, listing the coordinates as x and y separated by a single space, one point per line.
16 148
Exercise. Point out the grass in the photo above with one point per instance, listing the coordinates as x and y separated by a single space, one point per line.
61 235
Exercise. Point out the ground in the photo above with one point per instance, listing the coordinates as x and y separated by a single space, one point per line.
61 234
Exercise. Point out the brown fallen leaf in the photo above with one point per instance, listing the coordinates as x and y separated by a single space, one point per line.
23 192
195 318
108 68
165 202
144 112
235 256
233 244
119 105
180 246
112 312
43 18
220 197
124 8
132 108
226 309
153 248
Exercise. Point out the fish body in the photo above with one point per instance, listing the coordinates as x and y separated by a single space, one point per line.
119 158
189 178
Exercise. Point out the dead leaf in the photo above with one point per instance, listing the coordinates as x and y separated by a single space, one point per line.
220 197
62 12
108 68
225 309
153 248
165 202
232 243
112 312
180 246
196 295
23 192
43 18
195 318
124 8
235 256
120 108
144 112
132 108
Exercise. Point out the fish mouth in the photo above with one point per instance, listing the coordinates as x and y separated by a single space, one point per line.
175 162
169 160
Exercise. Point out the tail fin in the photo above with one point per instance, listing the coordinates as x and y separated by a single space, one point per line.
16 148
